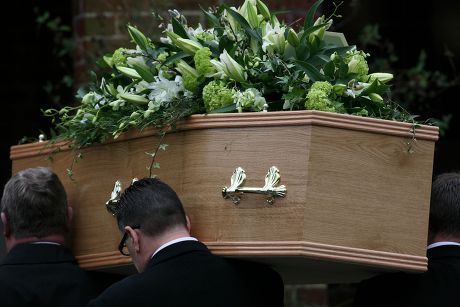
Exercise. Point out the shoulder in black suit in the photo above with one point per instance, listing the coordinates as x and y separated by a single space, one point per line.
42 275
439 286
188 274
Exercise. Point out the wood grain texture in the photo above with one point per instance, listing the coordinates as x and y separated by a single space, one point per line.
298 262
353 186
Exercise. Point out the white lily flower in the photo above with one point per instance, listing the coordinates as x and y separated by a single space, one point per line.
165 40
219 68
273 38
164 90
250 98
231 67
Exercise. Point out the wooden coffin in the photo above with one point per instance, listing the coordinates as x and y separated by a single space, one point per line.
357 199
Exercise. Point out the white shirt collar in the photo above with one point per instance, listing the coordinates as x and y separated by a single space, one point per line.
46 242
442 243
172 242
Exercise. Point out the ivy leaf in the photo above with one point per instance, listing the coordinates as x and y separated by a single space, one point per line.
163 146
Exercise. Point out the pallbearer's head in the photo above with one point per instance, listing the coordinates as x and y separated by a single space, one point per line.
34 205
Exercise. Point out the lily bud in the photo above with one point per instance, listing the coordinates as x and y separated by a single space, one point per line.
252 15
138 37
314 40
320 32
135 114
375 97
339 88
184 69
263 9
381 76
133 98
173 36
292 38
129 72
231 67
188 45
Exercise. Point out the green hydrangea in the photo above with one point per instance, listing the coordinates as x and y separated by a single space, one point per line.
162 56
357 63
166 73
119 57
216 95
322 86
318 97
202 60
205 36
191 82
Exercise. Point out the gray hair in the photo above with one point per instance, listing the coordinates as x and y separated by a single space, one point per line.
35 203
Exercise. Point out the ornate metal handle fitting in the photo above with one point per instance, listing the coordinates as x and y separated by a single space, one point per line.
111 204
273 177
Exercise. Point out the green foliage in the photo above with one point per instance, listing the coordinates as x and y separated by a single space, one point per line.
247 61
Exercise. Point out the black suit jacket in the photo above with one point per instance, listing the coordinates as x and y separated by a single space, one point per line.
188 274
43 275
439 286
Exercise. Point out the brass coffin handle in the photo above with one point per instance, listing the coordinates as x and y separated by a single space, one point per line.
111 204
273 177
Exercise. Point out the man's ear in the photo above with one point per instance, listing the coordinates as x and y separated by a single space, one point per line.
6 225
189 226
69 218
134 237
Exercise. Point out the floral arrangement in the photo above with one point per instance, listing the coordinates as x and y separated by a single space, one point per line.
246 61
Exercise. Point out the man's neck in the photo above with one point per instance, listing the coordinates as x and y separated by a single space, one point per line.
151 244
13 241
167 237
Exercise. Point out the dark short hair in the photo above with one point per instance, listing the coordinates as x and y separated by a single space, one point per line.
152 205
35 203
445 205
